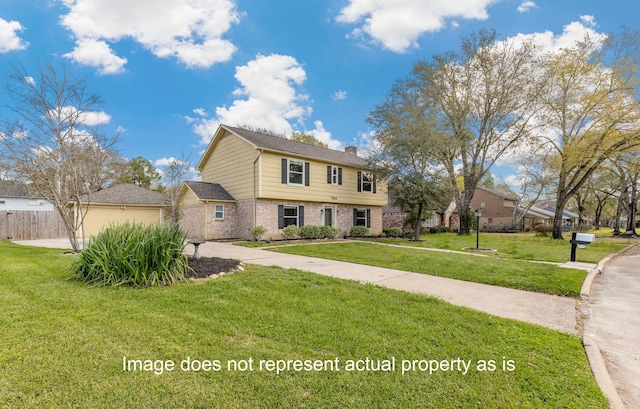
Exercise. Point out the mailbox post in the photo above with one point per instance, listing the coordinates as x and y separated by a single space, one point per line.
580 240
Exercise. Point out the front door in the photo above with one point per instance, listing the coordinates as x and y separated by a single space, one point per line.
329 216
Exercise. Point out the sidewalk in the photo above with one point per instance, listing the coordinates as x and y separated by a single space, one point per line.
614 324
551 311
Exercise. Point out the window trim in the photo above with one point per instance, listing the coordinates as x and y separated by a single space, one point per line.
334 175
371 182
215 212
366 218
299 215
286 172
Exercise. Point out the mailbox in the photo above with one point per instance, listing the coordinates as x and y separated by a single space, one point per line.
584 238
580 240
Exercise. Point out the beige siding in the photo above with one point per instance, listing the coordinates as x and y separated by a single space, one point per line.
231 163
101 216
187 198
318 190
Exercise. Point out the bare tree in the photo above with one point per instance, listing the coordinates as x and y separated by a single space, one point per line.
53 141
173 174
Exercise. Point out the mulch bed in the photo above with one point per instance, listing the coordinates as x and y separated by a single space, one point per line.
207 266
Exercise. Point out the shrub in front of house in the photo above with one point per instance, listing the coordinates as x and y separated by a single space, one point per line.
291 232
328 232
257 232
392 232
358 231
310 231
134 254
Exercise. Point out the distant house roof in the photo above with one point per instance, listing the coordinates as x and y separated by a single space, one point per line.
12 188
209 191
126 194
392 209
279 144
498 193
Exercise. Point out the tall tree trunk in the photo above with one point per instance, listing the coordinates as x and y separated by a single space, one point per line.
418 227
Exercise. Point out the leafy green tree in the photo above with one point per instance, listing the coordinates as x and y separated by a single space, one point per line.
589 111
479 99
407 144
308 139
140 172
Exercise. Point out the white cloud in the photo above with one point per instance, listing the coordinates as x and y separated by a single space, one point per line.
90 118
572 33
397 24
9 40
339 95
189 30
324 136
526 5
97 54
269 97
270 87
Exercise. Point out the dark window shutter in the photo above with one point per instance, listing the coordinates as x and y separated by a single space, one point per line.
339 176
359 181
368 218
306 173
280 217
300 216
374 183
355 215
285 171
329 174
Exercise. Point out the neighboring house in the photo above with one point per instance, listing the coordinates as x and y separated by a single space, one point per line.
17 196
119 204
497 208
26 215
257 179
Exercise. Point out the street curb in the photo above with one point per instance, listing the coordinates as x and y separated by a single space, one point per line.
594 355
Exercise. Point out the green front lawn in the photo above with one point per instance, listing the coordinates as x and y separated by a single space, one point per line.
525 246
63 344
523 275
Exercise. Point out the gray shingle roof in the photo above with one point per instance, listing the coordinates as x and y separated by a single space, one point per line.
209 191
11 188
278 144
127 194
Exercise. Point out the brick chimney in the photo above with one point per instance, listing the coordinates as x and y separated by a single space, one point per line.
352 150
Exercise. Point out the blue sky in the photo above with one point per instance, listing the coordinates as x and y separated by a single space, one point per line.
171 70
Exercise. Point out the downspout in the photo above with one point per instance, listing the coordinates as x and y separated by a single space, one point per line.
255 176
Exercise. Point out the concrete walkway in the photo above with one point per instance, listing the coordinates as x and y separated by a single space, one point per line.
551 311
614 325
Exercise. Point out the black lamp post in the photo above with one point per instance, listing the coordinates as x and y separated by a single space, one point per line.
478 214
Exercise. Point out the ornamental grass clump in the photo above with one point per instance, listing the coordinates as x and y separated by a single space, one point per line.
134 254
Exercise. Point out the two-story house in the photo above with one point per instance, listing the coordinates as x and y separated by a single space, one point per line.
496 207
253 179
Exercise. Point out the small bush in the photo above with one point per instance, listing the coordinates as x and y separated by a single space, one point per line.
328 232
291 231
439 229
543 230
358 231
257 232
310 231
135 255
392 231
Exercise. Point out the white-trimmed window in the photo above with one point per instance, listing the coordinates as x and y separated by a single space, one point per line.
362 217
295 172
289 214
334 175
219 212
366 182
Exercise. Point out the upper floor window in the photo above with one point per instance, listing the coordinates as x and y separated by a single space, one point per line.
334 175
366 182
295 172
